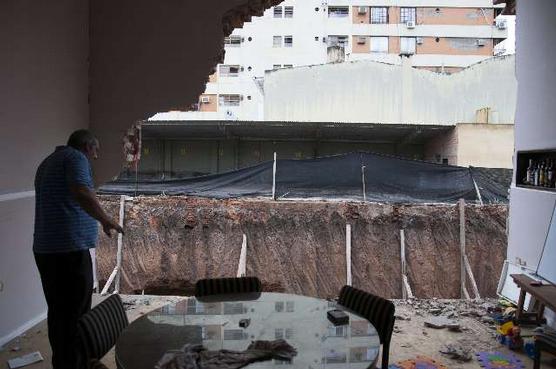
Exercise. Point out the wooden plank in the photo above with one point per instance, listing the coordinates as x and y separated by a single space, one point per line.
242 265
120 244
461 204
403 266
363 182
407 288
478 192
471 277
348 255
109 281
274 178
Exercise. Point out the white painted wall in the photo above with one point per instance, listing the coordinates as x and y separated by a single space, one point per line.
535 125
380 93
308 24
43 98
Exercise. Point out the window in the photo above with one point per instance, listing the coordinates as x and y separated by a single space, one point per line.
407 45
279 306
288 65
274 67
407 15
337 40
277 41
277 12
338 11
288 41
229 100
229 70
337 331
233 308
379 15
379 44
288 12
278 333
235 335
232 41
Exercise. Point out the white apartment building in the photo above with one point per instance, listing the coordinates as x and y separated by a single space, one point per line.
440 35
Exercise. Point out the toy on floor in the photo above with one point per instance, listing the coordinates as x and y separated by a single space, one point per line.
497 360
420 362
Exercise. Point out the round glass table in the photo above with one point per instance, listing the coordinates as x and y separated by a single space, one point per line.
301 321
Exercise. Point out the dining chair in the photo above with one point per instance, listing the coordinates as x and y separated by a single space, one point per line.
224 286
545 341
99 328
377 310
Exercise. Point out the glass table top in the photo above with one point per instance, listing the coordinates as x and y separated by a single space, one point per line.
300 320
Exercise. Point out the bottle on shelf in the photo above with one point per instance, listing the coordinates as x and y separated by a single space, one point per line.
536 175
550 174
529 174
541 174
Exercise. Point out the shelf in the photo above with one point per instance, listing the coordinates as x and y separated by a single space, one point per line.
536 188
537 157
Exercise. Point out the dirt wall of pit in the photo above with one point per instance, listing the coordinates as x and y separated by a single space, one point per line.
299 247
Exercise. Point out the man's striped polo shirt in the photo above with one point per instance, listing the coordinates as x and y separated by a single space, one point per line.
61 225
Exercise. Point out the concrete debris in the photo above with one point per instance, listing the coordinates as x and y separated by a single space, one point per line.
457 352
402 317
15 348
439 322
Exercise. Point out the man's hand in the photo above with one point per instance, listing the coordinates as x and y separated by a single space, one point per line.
109 225
88 201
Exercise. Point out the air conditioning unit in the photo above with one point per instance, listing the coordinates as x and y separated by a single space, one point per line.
419 40
481 42
501 24
362 10
205 100
410 24
361 40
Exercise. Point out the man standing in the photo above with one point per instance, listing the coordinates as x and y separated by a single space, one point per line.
66 215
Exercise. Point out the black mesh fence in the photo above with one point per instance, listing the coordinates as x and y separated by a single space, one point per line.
355 176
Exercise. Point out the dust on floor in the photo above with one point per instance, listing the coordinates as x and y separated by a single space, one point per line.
472 332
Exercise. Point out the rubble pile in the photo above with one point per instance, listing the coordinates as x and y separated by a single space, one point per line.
300 247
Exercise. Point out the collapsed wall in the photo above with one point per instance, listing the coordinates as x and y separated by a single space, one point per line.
299 247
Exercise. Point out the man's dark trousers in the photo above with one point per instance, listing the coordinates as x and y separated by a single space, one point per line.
67 281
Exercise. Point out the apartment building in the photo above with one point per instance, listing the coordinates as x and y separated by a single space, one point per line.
442 36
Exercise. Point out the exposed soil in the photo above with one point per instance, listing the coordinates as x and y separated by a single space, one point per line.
299 247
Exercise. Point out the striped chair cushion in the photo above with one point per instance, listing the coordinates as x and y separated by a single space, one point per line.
100 328
378 311
223 286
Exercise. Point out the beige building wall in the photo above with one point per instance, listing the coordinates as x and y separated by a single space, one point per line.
455 46
213 78
485 145
212 105
394 15
361 18
474 144
455 16
394 45
360 47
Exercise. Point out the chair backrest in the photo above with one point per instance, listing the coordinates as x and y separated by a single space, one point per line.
100 327
224 286
378 311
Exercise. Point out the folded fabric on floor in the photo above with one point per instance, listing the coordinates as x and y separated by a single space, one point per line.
197 357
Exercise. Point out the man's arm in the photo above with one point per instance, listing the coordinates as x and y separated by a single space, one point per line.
87 199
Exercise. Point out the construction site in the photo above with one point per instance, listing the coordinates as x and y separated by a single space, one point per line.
399 159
